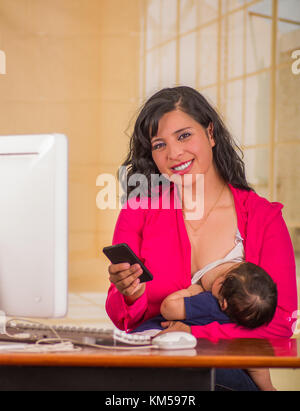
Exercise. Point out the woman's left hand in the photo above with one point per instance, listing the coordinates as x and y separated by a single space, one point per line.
175 326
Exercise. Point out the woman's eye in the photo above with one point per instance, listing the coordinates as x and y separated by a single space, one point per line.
183 136
157 146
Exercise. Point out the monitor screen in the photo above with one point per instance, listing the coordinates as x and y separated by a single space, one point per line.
34 225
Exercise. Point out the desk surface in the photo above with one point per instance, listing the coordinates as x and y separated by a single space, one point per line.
238 353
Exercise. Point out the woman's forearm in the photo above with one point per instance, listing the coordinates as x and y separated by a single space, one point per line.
125 316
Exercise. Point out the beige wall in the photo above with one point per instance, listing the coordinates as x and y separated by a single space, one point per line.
72 67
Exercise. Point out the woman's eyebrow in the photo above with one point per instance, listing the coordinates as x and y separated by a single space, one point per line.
156 138
174 132
181 129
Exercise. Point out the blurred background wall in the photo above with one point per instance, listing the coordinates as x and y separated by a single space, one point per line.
72 66
83 67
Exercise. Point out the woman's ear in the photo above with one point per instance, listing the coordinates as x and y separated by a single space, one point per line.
210 133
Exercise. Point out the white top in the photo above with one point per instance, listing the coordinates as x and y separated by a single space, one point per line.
236 255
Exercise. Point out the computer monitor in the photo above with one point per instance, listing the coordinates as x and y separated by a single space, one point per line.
34 225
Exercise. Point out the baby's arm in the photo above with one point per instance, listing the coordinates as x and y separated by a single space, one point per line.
173 308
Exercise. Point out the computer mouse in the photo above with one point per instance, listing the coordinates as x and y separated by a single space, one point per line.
174 340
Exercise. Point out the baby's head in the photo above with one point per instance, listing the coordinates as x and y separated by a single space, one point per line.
248 295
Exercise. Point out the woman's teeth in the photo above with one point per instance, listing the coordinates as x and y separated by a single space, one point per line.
183 166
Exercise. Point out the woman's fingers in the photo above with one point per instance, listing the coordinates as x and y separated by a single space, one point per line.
123 270
125 279
131 274
132 288
128 281
116 268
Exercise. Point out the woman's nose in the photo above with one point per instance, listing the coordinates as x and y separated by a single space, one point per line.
175 151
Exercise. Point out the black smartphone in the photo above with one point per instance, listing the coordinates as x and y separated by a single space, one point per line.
122 253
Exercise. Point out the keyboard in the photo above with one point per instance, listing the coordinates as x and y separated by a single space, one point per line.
139 338
32 332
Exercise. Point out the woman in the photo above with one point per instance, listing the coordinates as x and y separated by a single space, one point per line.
178 133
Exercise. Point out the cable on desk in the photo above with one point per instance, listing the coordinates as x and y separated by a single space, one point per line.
43 344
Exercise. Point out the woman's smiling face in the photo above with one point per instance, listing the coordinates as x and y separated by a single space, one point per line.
182 145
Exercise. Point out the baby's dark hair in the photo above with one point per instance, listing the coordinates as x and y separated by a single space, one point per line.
251 295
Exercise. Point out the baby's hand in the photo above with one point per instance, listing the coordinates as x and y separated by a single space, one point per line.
171 326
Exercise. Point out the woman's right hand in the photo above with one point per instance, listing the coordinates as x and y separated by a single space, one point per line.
125 277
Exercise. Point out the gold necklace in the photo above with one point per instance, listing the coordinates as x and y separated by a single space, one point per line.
204 219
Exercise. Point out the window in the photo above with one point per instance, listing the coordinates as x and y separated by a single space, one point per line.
238 54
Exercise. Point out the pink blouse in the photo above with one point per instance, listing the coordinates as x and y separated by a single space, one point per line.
159 237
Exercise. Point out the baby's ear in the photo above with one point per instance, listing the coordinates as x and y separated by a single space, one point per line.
224 305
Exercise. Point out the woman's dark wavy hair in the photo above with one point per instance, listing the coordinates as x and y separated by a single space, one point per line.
226 154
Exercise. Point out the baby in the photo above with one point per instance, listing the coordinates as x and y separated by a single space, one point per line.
245 295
